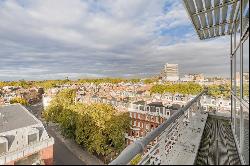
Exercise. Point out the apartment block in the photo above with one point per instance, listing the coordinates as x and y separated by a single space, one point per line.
171 72
145 118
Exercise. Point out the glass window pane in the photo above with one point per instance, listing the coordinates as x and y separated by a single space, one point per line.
246 135
245 14
238 37
233 74
238 77
238 30
246 70
234 39
237 122
233 112
3 147
32 138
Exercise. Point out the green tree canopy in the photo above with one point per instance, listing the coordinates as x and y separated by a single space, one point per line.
182 88
98 127
219 90
19 100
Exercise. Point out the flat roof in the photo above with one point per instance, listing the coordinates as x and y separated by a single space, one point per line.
214 18
14 117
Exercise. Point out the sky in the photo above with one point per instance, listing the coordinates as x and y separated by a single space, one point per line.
54 39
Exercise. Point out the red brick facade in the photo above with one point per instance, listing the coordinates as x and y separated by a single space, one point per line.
143 123
47 155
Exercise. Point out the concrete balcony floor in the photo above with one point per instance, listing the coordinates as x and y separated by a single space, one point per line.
217 146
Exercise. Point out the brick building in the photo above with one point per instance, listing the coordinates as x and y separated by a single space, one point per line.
23 138
145 118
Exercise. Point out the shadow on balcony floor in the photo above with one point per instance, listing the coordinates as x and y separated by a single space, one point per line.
217 146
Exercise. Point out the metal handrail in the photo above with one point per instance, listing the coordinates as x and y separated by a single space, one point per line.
138 146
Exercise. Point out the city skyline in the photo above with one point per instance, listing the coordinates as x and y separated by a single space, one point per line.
97 39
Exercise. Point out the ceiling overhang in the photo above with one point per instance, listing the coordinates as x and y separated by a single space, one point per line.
214 18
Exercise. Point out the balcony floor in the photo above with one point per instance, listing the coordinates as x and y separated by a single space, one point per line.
217 146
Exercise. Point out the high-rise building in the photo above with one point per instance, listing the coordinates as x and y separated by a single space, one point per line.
171 72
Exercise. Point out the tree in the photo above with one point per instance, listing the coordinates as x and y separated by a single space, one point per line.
219 90
19 100
182 88
97 127
150 81
101 129
59 103
67 122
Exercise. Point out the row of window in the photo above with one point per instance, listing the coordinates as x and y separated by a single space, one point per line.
32 138
136 115
240 82
142 125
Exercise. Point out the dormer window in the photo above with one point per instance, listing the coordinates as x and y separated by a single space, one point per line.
3 145
33 136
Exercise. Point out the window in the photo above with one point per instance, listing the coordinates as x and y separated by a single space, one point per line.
246 70
3 147
237 120
134 124
157 119
238 76
246 133
236 34
157 109
152 118
32 138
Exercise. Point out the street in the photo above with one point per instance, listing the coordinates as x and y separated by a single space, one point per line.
62 155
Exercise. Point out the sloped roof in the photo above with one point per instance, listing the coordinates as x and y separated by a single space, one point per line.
14 117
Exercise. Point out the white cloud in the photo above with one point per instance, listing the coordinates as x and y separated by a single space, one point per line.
100 38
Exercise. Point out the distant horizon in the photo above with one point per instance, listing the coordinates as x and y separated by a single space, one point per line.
129 77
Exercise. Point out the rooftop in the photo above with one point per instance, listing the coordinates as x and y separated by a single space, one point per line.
15 116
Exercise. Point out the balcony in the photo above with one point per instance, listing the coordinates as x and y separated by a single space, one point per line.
190 136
